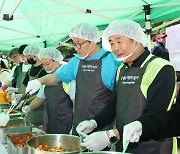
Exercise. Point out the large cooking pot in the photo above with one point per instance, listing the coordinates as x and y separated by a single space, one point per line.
102 152
70 142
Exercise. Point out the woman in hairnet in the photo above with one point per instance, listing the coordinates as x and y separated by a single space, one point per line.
93 68
144 84
58 102
31 52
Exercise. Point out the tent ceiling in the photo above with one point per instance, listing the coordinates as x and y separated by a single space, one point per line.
36 21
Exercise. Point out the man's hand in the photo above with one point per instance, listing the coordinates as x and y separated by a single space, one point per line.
86 127
26 109
132 132
96 141
33 86
11 90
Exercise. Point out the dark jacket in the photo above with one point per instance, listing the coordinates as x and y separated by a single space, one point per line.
162 124
160 51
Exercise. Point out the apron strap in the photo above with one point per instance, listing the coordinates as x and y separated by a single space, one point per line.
105 54
144 65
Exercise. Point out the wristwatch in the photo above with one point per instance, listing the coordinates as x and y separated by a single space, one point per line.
112 136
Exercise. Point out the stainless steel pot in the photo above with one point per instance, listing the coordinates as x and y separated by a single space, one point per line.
102 152
70 142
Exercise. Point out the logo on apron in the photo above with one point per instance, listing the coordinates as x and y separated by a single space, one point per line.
129 79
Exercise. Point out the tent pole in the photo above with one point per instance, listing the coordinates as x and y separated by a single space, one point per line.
82 10
2 6
45 44
164 5
15 8
135 14
147 11
17 31
166 24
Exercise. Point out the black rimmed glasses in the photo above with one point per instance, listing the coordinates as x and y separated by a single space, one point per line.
78 45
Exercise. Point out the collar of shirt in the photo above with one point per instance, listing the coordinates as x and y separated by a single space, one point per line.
138 62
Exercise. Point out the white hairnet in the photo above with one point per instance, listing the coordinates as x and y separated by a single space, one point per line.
85 31
32 50
128 28
51 53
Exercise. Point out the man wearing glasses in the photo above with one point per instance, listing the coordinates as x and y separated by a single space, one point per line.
94 70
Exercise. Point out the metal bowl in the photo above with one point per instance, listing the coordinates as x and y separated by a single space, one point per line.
102 152
69 142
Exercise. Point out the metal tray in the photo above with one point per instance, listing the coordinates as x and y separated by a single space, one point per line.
4 106
13 115
16 125
14 149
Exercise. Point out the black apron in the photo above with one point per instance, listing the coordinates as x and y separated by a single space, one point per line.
36 116
91 93
59 109
20 77
130 105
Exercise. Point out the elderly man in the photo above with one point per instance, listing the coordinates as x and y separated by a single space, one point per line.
144 83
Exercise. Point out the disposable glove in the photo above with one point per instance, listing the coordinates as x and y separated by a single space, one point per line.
33 86
11 90
18 96
86 127
4 119
96 141
14 102
132 132
26 109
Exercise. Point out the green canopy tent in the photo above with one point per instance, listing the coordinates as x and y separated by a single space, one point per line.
47 22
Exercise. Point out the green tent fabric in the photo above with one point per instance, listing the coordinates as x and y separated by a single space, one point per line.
49 21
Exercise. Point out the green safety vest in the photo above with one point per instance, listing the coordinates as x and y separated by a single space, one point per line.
153 69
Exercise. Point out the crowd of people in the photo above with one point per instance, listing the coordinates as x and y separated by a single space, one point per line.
119 92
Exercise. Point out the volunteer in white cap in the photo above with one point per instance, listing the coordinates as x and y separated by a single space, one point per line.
144 84
58 103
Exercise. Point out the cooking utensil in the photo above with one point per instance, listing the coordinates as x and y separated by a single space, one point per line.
24 98
125 147
69 142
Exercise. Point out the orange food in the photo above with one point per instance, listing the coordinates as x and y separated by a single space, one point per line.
44 147
20 140
3 98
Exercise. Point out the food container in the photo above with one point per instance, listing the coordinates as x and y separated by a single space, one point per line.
16 125
4 106
68 142
13 113
103 152
20 138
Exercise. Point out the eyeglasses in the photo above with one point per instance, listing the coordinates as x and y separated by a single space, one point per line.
78 45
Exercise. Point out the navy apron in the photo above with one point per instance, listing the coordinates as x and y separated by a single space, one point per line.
91 93
59 109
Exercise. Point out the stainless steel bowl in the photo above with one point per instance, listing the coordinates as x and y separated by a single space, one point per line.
102 152
70 142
